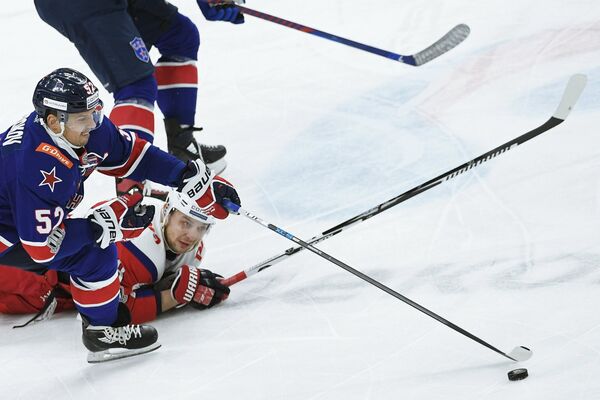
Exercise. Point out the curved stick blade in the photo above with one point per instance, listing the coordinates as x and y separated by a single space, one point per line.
449 41
520 353
572 92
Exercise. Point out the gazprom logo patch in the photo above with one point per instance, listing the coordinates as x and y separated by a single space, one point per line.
58 105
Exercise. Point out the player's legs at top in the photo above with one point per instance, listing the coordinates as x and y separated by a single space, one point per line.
114 49
113 38
177 78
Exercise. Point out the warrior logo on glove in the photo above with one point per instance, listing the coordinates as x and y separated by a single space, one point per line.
200 288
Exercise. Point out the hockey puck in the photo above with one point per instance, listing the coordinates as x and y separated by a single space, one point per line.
517 374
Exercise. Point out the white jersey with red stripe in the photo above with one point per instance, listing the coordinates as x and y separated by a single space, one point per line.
144 261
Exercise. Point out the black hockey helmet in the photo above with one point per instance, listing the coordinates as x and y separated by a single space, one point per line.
66 91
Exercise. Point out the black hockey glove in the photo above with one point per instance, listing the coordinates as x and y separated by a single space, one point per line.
219 291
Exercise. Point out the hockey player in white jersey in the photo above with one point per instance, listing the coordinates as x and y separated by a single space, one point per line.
159 270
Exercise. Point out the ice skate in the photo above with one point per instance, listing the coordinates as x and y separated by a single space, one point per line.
183 145
107 343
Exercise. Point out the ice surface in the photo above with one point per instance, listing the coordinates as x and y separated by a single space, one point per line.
318 132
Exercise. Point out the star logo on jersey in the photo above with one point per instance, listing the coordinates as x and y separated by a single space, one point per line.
50 179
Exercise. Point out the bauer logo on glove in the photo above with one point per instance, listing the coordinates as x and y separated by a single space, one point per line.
122 218
206 190
200 186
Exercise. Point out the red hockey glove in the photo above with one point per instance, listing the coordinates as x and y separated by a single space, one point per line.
212 200
122 218
198 287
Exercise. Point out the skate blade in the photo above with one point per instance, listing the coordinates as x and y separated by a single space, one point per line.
218 166
117 354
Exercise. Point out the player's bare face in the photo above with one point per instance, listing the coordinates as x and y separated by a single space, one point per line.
79 126
183 233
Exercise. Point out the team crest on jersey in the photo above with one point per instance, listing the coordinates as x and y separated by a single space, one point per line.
139 49
89 162
50 179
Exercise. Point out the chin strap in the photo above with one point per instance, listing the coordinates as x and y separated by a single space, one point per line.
58 137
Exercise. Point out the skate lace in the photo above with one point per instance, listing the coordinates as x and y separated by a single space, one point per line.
121 334
47 310
209 147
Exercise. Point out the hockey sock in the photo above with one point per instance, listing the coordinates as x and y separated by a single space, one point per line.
98 301
134 107
134 115
177 89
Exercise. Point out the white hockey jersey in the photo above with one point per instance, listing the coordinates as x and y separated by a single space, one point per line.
143 263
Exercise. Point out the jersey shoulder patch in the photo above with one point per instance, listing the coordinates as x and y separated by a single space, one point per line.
47 171
53 151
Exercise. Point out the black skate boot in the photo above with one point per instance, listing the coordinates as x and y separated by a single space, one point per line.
122 339
183 145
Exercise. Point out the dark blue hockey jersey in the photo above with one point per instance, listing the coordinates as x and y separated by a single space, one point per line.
41 181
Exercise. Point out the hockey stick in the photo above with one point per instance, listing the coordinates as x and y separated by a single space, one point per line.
569 98
446 43
519 353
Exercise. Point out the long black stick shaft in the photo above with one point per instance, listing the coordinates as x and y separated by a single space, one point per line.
571 94
237 209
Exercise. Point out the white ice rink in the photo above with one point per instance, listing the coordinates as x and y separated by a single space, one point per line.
318 132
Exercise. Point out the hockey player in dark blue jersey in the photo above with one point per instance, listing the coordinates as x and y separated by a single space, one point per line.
44 160
114 38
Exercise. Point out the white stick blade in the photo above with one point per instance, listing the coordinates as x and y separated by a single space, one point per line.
570 96
449 41
520 353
